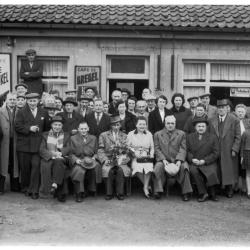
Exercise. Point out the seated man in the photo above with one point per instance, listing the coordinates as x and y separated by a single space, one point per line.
83 148
109 141
54 150
202 156
170 147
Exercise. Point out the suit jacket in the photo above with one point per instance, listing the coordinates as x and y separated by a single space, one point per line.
171 148
34 79
80 149
94 129
129 123
78 110
155 122
181 116
211 111
71 123
112 108
28 141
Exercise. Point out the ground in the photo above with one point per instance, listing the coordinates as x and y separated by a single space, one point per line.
134 221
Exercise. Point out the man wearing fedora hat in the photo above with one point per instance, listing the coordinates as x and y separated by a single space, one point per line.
31 72
202 156
54 151
211 110
227 130
83 158
71 118
29 126
20 101
111 171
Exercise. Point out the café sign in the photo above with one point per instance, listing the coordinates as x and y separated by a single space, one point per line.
240 92
5 73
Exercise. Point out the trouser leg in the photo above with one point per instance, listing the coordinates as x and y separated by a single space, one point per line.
184 180
159 178
248 181
35 173
198 178
91 180
2 182
119 181
110 181
25 169
58 171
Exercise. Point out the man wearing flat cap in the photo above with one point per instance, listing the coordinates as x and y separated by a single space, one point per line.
71 118
227 130
29 126
202 156
21 89
83 109
150 99
211 111
125 94
71 93
193 102
90 92
50 109
31 72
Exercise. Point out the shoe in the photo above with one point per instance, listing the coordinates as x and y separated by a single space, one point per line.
230 192
146 193
34 196
79 198
203 197
108 197
83 195
214 198
26 193
185 197
120 197
61 198
157 196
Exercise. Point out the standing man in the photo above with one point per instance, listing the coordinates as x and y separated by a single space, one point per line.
9 164
29 127
211 111
83 110
125 94
20 101
227 130
145 93
90 92
131 104
116 96
170 147
21 89
193 102
31 72
141 106
71 93
150 99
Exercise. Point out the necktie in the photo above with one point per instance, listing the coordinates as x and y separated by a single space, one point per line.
97 118
69 115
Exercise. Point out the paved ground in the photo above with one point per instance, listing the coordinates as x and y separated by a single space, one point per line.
134 221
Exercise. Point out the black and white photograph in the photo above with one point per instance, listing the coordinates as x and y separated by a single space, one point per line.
124 124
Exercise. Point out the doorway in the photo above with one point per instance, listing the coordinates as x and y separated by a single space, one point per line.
134 86
218 93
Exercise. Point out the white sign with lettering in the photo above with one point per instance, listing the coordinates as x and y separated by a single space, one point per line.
4 73
240 92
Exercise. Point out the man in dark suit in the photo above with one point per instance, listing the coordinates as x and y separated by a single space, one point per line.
156 118
98 121
71 118
83 110
116 96
31 72
29 127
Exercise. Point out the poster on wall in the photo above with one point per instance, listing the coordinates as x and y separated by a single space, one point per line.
87 76
5 73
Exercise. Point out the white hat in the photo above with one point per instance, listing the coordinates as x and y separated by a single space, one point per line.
171 168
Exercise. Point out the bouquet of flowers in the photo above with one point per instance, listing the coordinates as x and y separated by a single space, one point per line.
120 155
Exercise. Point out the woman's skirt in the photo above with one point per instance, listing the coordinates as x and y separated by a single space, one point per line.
141 167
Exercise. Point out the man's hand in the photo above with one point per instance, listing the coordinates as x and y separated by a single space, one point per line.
26 73
178 164
195 161
233 153
202 162
34 129
165 162
78 161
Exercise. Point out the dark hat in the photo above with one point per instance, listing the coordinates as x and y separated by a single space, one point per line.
51 105
115 119
88 162
192 98
89 88
85 97
205 94
199 120
70 100
21 84
21 95
223 102
30 51
32 95
57 118
70 90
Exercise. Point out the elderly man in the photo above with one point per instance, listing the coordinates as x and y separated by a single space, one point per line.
211 111
71 93
20 101
150 99
83 110
111 169
116 96
193 102
145 93
141 106
29 127
227 130
170 147
9 164
202 156
83 158
31 72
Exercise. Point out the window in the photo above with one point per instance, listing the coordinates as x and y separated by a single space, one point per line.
194 72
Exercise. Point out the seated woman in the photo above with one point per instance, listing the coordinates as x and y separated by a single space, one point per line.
202 156
54 150
83 147
140 141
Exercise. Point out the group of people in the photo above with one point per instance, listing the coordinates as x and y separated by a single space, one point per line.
51 146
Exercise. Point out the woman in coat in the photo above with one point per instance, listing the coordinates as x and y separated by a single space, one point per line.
179 111
202 156
54 151
140 141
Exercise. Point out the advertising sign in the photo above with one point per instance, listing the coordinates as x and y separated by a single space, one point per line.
240 92
5 74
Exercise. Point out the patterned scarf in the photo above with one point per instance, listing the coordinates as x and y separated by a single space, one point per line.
55 141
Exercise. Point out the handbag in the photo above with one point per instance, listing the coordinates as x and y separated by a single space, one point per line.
145 160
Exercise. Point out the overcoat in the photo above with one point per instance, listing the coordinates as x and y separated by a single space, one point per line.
80 149
34 79
5 136
106 143
104 124
28 141
206 149
211 111
229 141
181 116
155 122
